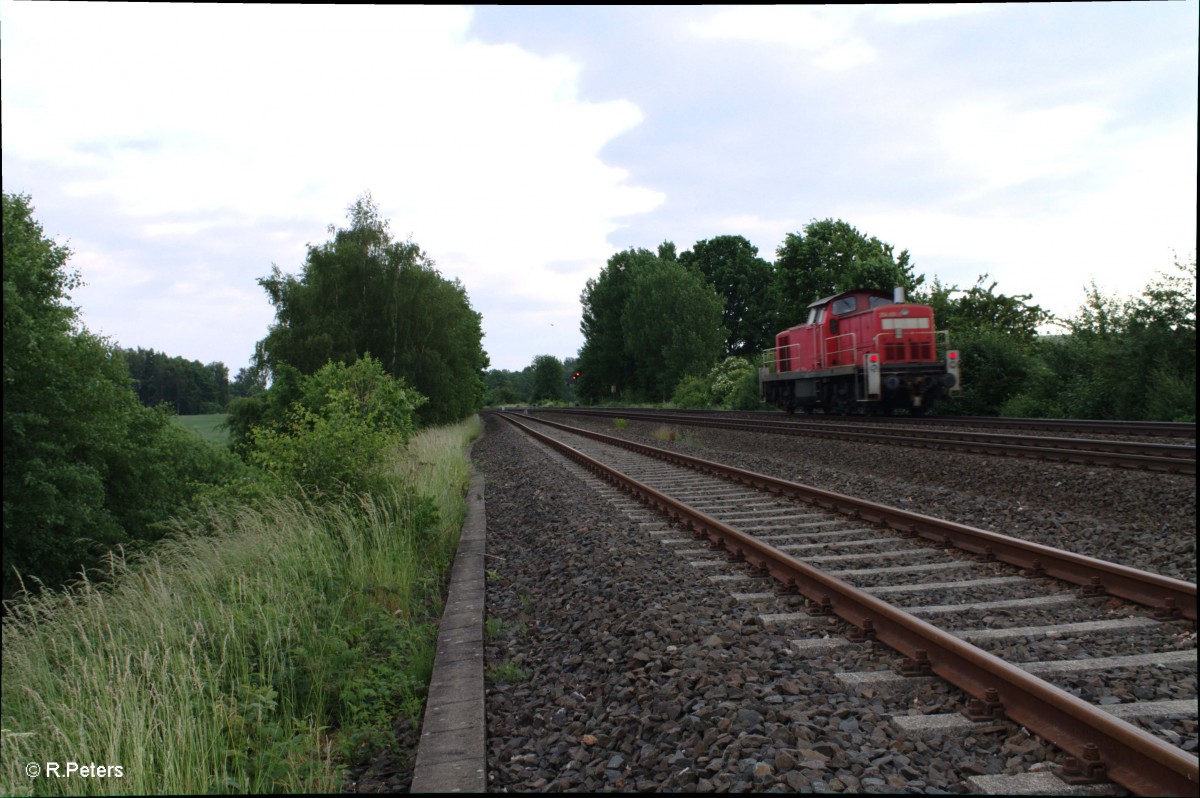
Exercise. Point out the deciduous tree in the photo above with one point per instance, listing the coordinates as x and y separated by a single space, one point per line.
747 285
603 361
364 293
672 328
831 256
548 379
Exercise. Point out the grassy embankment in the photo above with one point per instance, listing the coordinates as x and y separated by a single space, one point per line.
260 653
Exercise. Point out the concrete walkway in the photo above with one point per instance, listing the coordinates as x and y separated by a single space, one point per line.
452 756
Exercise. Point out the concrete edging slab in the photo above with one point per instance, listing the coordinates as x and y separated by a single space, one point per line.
452 753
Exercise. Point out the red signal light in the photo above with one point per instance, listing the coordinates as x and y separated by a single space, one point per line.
874 358
954 355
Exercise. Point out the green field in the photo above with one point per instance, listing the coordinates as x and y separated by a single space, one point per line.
208 427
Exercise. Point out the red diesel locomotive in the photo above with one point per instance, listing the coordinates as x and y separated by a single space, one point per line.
864 349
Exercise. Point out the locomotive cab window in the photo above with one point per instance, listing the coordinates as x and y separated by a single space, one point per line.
880 301
844 305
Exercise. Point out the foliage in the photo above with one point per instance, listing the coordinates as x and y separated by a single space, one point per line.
647 322
363 293
731 384
250 381
604 362
980 309
995 335
746 283
832 256
734 384
672 328
548 379
994 368
187 386
1131 359
86 467
503 387
692 393
271 407
334 440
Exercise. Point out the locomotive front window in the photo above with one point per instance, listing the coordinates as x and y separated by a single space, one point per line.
845 305
880 301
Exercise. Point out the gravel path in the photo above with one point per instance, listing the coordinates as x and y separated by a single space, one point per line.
612 669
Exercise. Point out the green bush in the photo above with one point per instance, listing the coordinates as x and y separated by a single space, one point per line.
334 438
735 384
692 393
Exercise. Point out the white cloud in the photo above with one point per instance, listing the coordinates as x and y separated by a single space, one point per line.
998 143
832 35
905 13
825 32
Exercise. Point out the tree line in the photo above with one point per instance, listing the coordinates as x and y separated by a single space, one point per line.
689 328
188 387
369 342
546 379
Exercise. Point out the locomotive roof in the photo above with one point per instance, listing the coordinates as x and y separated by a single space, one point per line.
860 291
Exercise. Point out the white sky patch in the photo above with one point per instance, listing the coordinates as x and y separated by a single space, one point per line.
925 12
826 32
100 265
1000 144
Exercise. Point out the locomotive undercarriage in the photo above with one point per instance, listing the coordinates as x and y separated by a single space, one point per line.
842 391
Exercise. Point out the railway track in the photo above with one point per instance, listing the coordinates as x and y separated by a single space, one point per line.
1163 457
788 537
1140 429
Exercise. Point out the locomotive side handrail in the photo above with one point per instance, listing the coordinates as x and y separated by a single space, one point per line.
826 354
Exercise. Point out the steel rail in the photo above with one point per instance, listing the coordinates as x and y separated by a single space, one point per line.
1125 454
1101 744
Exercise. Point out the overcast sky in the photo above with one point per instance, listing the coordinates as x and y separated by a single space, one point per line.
180 150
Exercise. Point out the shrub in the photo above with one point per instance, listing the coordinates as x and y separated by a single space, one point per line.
334 438
692 393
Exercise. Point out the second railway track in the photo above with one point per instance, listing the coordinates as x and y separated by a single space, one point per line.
1150 456
865 553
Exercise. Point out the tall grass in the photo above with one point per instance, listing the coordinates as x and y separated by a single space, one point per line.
260 653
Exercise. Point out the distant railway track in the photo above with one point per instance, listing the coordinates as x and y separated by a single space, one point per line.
1171 458
1167 429
751 522
1153 429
